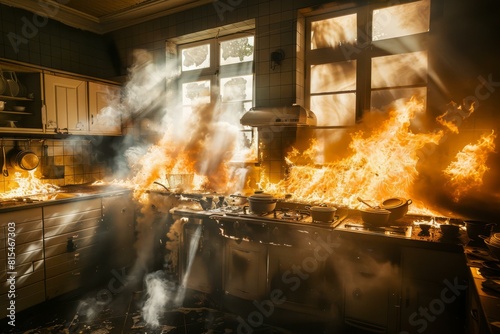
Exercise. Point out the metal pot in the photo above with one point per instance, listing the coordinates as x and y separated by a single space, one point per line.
262 203
375 216
24 160
397 206
323 213
477 228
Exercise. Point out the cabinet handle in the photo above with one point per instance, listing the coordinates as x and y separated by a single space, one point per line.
474 314
75 273
91 118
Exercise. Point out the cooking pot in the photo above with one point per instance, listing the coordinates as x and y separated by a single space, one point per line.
450 230
375 216
261 203
23 160
398 207
322 214
475 228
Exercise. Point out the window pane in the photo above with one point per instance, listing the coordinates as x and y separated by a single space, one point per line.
236 50
196 92
333 77
333 32
401 20
334 109
196 58
382 99
399 70
237 88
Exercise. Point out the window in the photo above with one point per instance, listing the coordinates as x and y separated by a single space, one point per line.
219 71
365 58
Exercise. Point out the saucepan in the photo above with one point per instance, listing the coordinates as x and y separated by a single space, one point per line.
476 229
22 159
262 203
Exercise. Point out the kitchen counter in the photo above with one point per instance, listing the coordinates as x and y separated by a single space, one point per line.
65 194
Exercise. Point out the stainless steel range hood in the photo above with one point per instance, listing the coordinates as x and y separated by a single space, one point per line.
293 115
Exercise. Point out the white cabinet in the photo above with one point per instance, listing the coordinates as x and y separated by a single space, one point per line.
104 116
66 104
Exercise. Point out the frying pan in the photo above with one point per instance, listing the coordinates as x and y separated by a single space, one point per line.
3 83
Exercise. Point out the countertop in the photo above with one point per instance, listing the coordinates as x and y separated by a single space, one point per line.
65 194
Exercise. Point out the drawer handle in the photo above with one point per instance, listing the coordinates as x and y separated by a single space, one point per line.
75 273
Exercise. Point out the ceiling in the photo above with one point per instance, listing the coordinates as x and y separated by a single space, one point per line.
102 16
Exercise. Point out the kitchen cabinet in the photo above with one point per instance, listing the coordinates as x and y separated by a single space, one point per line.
104 116
66 104
71 245
28 252
27 95
200 263
118 231
245 270
434 291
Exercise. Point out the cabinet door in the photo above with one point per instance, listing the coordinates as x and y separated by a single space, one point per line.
104 117
66 104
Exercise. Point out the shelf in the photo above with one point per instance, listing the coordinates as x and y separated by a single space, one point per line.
15 98
15 112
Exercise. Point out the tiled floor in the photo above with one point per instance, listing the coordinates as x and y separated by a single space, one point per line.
82 313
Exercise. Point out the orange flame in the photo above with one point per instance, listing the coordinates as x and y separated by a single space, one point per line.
380 165
28 185
466 171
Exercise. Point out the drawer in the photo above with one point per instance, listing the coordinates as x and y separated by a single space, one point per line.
50 211
72 217
75 236
25 297
25 268
24 280
25 232
21 216
78 243
70 226
70 262
27 257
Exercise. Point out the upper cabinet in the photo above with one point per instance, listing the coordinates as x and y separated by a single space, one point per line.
103 117
79 106
66 104
20 100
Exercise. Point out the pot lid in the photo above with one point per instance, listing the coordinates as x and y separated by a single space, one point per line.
393 202
261 196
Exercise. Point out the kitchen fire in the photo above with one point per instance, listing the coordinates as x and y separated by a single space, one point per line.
243 167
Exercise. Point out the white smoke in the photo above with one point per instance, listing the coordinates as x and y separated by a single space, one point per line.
157 294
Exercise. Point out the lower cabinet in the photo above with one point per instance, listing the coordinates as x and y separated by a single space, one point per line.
71 245
21 259
434 291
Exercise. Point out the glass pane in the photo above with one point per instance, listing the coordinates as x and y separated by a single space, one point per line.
399 70
237 88
333 32
236 50
381 100
401 20
196 58
333 77
335 109
196 92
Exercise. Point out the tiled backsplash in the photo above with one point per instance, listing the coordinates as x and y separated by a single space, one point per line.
61 162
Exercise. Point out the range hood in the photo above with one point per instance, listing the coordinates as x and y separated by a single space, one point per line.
293 115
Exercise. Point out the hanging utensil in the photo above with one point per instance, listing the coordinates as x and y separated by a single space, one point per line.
5 171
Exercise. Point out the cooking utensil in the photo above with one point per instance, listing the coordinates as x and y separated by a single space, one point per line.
449 230
23 91
398 207
323 214
375 216
475 228
494 249
365 202
262 203
5 171
24 160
